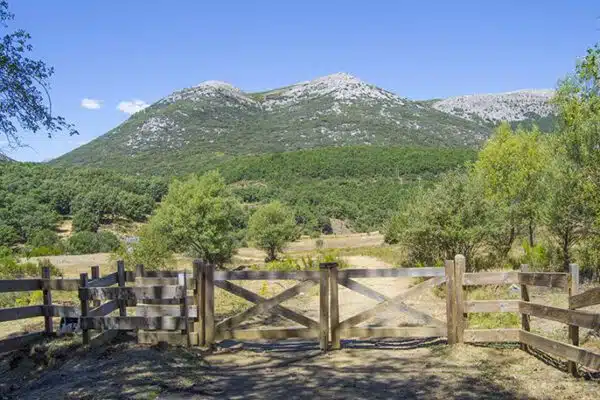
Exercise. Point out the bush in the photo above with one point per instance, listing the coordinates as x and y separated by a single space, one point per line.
85 220
44 238
90 242
43 251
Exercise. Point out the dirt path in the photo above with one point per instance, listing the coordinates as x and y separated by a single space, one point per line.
403 369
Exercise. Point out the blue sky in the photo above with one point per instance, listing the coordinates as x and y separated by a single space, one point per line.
127 50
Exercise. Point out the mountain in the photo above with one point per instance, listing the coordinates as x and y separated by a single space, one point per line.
518 107
4 158
214 121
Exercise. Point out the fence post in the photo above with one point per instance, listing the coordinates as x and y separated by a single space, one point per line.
47 295
573 330
96 275
209 299
334 308
460 265
121 282
139 271
525 317
182 281
199 284
450 301
85 307
324 307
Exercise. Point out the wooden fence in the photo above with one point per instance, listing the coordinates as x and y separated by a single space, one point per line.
180 309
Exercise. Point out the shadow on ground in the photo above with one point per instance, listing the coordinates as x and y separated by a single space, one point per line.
407 369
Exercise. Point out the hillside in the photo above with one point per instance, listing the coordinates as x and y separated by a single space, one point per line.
214 121
4 158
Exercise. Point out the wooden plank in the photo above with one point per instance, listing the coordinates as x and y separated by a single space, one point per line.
134 293
460 266
392 272
173 338
400 306
20 285
47 296
491 306
147 281
582 356
104 309
13 314
85 305
368 314
131 323
209 301
584 319
265 275
163 310
65 311
95 272
450 301
105 281
61 284
174 301
490 278
573 330
588 298
334 308
264 306
278 309
267 334
324 308
19 342
121 283
546 279
393 332
199 300
491 335
525 320
130 276
182 278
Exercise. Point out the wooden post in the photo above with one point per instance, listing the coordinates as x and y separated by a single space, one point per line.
199 284
209 312
85 306
573 330
525 317
139 271
334 308
47 295
182 281
96 275
121 282
324 308
460 265
450 301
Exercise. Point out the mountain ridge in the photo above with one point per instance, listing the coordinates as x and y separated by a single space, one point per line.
214 121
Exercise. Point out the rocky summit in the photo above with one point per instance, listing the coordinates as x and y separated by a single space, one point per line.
211 122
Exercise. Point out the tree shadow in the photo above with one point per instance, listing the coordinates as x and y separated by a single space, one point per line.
374 369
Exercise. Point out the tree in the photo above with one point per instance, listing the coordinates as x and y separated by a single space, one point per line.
451 218
85 220
24 83
200 216
569 213
271 227
512 167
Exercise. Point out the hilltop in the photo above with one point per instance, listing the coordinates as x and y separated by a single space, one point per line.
214 121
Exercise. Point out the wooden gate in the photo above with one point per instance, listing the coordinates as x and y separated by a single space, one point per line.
349 328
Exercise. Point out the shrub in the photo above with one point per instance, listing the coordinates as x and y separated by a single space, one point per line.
85 220
90 242
44 238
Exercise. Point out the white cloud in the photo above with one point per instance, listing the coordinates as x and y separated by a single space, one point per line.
133 106
91 104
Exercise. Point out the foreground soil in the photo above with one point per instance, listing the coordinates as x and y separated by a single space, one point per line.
406 369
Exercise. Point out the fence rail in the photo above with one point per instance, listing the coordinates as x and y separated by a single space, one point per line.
165 310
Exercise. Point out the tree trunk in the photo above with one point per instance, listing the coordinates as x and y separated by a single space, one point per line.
566 255
531 238
271 254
